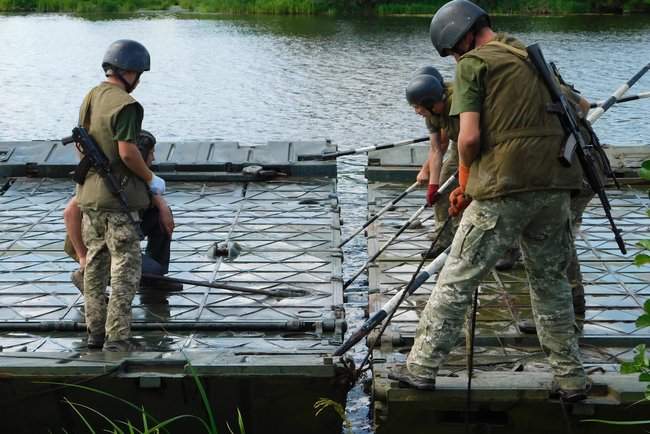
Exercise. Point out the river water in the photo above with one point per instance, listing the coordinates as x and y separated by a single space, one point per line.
254 79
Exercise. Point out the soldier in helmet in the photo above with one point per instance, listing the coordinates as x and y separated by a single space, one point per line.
157 226
512 187
114 118
431 97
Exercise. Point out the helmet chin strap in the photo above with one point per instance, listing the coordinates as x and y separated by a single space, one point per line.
127 86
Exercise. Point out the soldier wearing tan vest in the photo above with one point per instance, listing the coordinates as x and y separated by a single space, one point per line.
512 187
114 118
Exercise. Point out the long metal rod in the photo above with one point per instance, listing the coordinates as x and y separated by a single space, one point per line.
73 326
443 189
388 206
390 307
271 292
470 361
362 150
641 95
598 112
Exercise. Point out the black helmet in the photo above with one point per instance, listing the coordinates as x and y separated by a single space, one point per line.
430 70
451 22
425 90
126 55
145 141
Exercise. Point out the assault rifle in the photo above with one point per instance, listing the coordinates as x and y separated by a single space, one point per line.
95 158
575 143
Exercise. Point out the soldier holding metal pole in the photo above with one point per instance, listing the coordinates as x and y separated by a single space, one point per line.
512 187
113 119
431 98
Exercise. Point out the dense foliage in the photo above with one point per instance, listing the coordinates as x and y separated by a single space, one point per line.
331 7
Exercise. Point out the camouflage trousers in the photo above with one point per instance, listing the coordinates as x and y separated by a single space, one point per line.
113 256
578 205
541 221
441 207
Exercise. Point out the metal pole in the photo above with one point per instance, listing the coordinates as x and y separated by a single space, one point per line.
443 189
365 149
388 206
641 95
618 93
270 293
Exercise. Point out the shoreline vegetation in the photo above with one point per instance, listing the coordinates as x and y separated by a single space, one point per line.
324 7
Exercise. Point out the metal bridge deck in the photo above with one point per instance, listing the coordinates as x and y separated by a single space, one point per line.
273 348
510 366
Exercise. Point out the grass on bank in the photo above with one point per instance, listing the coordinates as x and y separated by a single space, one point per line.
147 424
325 7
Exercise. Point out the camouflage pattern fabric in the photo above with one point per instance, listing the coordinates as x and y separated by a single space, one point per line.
578 205
113 256
541 220
441 207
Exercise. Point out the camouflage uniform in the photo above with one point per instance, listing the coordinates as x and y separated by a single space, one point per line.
111 115
113 254
487 229
521 193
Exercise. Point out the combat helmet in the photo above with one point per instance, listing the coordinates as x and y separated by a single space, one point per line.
126 55
425 90
451 22
430 70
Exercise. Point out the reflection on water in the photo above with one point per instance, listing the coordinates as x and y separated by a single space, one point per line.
254 79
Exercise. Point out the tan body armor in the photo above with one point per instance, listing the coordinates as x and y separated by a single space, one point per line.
98 114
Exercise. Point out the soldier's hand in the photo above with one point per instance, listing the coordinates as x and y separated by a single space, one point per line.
458 202
157 184
167 220
423 177
432 194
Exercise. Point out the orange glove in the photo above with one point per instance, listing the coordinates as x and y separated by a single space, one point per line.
457 199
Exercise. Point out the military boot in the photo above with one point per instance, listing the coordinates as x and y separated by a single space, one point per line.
122 346
402 374
96 341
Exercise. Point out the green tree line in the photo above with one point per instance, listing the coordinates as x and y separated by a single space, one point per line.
328 7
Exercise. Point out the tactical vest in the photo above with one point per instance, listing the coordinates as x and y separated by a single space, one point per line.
98 114
451 124
520 138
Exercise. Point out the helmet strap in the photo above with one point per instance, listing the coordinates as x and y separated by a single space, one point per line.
127 86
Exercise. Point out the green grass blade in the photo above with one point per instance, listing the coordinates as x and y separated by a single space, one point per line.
240 421
204 397
81 416
101 392
97 412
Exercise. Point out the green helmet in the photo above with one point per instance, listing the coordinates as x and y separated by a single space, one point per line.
430 70
425 90
126 55
146 142
451 22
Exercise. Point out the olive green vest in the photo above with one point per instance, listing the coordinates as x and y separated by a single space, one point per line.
98 114
451 124
520 139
